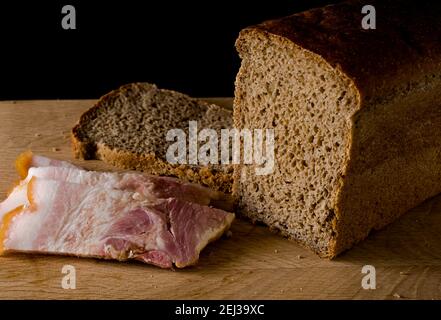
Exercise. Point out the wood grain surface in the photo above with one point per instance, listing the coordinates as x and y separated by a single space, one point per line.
252 264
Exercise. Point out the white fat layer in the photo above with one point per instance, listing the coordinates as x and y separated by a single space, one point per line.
160 243
17 198
70 218
109 180
40 161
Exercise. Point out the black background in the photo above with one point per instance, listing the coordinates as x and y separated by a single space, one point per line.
181 45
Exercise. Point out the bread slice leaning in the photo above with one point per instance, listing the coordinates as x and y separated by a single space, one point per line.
127 128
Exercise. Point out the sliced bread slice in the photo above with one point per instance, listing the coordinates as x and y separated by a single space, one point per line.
127 128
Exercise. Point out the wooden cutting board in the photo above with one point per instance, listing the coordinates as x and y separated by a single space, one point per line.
252 264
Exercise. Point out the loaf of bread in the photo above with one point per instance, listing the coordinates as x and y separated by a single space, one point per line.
356 114
128 127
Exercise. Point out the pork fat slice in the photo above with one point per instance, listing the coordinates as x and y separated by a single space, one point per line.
63 209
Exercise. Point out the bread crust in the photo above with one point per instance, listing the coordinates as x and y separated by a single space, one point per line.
404 47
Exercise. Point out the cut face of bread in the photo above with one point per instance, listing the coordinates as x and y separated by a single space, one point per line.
357 124
128 129
309 104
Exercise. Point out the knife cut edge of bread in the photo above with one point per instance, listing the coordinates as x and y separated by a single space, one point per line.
217 177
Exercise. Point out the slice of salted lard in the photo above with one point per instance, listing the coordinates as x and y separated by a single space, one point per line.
29 165
158 220
28 160
153 187
24 162
90 221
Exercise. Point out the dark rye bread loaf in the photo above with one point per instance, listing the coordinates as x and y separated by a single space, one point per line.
128 126
357 119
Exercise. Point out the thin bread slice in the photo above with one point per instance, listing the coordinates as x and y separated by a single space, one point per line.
127 128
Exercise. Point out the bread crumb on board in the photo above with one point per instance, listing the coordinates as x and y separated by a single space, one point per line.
37 135
397 296
54 149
